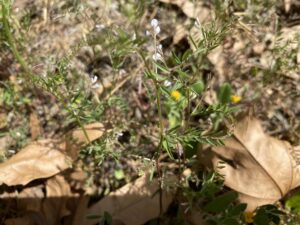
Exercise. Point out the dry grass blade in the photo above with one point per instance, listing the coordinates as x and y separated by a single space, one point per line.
256 165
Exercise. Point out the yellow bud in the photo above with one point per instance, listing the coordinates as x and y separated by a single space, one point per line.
176 95
235 98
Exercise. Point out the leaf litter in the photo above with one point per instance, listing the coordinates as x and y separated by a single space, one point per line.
245 156
262 169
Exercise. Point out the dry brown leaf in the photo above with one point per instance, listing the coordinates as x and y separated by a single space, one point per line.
258 166
94 131
34 124
30 198
133 204
80 212
45 158
77 138
40 159
55 205
18 221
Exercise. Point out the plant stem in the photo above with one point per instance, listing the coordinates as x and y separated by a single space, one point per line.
161 130
11 42
82 128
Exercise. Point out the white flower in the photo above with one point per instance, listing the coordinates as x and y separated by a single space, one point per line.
156 57
95 86
180 151
99 27
167 83
157 30
154 23
94 79
147 33
134 37
159 47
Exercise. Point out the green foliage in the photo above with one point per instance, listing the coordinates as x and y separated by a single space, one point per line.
198 87
267 214
224 93
104 219
293 202
116 42
221 202
175 83
100 150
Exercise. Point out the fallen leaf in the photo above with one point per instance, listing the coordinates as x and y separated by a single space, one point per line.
18 221
45 158
30 198
80 212
77 138
55 205
258 166
39 159
133 204
94 131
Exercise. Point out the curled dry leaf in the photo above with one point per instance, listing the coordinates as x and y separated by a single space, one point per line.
30 198
55 205
39 159
258 166
133 204
45 158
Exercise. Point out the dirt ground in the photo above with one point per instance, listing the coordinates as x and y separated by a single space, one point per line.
259 58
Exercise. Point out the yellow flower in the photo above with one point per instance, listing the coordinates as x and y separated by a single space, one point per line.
235 98
176 95
249 217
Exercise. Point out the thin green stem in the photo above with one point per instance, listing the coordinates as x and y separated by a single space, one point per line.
161 130
11 42
82 127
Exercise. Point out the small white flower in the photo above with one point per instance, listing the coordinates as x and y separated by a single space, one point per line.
156 57
11 151
154 23
94 79
147 33
134 37
167 83
157 30
120 134
95 86
180 151
159 47
99 27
